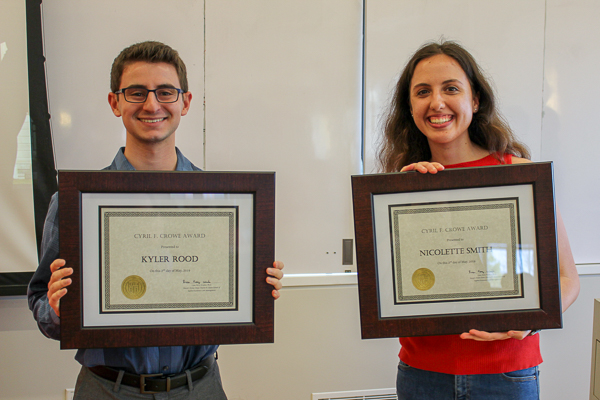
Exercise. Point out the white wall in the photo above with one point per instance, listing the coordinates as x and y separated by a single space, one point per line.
567 353
317 349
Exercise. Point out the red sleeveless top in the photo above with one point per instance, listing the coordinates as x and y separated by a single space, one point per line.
450 354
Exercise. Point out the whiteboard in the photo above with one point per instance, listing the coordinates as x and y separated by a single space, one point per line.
542 57
570 134
394 30
283 84
283 94
81 40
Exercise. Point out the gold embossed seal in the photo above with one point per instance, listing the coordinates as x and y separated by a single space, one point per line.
133 287
423 279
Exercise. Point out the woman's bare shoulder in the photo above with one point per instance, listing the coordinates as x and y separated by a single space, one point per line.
519 160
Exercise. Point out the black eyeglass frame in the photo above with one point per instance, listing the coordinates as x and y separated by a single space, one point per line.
148 91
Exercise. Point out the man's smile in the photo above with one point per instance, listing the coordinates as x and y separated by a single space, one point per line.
147 120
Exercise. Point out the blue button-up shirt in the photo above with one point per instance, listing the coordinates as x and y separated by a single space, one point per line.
139 360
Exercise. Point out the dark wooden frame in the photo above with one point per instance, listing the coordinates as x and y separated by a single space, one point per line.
71 186
539 175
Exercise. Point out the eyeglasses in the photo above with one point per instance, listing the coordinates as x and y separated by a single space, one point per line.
139 95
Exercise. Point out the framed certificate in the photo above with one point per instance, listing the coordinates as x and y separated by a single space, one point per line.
467 248
166 258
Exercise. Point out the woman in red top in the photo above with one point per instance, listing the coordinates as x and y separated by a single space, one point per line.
443 115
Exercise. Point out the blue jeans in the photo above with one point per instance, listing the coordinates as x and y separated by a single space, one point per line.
417 384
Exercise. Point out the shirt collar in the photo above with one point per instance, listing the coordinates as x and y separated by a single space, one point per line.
183 164
120 163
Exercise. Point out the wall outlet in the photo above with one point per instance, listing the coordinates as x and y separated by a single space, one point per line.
69 393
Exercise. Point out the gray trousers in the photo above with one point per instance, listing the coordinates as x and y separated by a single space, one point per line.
90 386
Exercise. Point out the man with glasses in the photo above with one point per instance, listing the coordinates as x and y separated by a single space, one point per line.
149 92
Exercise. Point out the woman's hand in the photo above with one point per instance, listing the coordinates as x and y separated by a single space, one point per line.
483 336
57 287
424 167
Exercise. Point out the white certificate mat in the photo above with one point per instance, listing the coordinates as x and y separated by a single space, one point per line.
161 258
456 251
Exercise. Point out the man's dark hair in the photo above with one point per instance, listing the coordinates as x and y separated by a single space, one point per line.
152 52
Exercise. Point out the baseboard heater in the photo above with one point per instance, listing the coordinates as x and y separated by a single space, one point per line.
373 394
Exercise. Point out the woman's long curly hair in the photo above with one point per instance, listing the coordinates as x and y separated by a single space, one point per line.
403 143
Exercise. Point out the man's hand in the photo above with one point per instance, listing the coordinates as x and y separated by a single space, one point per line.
57 287
274 279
